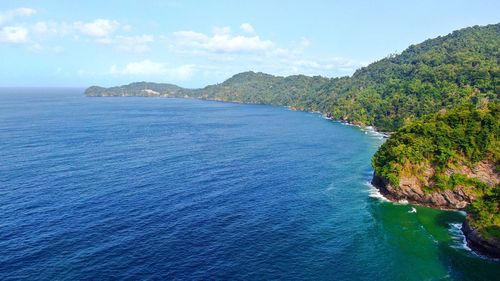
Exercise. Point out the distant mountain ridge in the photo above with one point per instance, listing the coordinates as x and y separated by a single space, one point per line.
135 89
459 68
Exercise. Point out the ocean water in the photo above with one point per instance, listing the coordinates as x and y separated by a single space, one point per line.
178 189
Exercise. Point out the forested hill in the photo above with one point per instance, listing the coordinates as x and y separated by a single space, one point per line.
459 68
449 159
303 92
136 89
462 67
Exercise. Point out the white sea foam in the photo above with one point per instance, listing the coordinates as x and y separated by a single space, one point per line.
458 237
369 130
375 193
460 242
413 210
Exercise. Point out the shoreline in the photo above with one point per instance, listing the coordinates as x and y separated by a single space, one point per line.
478 244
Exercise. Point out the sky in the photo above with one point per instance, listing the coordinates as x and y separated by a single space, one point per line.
195 43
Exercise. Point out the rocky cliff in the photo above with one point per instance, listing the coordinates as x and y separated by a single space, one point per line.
485 245
415 190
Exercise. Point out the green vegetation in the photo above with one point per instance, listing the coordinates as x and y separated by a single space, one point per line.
460 68
460 136
299 91
145 89
485 213
444 142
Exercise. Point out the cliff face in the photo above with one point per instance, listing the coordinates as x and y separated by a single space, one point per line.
412 189
484 245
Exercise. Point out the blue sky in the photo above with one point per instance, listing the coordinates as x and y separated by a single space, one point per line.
194 43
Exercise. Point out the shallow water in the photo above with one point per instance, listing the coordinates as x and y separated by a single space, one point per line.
145 188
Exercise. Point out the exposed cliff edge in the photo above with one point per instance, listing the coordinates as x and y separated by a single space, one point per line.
417 189
457 199
485 245
448 160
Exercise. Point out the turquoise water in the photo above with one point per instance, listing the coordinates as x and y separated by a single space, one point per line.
146 188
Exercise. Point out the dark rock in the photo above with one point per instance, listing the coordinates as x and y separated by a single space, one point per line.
411 191
456 199
486 247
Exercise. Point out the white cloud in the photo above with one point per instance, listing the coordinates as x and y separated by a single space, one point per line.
101 30
13 34
239 52
147 67
220 42
10 14
246 27
97 28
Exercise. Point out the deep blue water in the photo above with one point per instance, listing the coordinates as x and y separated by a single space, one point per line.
175 189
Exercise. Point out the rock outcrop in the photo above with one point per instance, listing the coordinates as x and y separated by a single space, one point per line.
486 246
412 190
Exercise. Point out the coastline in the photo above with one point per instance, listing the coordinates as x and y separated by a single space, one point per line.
328 116
479 245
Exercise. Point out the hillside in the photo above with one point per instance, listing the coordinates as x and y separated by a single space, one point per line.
141 89
447 160
304 92
459 68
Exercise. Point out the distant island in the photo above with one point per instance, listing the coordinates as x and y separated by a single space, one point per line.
440 101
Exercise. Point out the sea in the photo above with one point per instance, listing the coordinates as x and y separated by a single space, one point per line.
131 188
